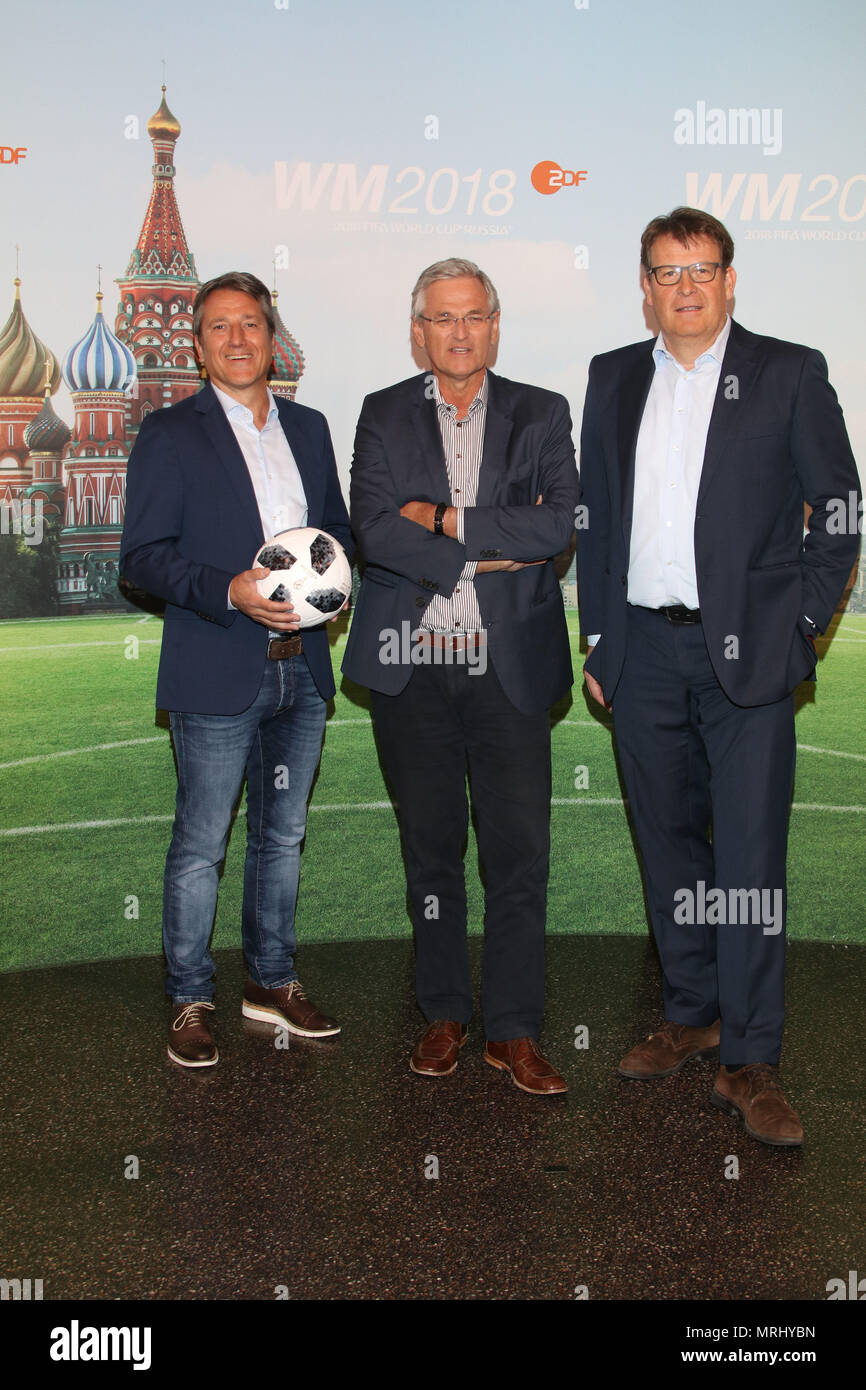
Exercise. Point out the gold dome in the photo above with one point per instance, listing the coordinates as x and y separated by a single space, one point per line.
24 359
163 123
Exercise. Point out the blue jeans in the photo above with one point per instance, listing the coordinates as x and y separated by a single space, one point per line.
277 742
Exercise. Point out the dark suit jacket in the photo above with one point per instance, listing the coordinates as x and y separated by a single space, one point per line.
776 439
399 457
192 524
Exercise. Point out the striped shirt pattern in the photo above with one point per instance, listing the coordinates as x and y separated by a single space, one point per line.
463 442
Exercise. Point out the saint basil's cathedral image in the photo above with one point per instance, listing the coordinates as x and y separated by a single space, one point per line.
115 378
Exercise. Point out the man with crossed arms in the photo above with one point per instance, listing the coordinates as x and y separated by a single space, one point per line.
463 486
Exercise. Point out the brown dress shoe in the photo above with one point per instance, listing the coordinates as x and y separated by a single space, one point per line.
191 1042
755 1095
436 1052
287 1007
664 1052
529 1069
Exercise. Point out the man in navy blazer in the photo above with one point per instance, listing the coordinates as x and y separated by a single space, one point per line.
463 487
700 601
208 480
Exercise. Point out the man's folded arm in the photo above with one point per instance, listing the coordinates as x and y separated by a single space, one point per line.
385 538
528 532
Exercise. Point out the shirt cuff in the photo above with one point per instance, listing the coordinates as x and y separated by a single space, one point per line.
594 640
460 536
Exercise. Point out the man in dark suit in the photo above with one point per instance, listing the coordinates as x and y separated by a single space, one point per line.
700 601
208 481
463 487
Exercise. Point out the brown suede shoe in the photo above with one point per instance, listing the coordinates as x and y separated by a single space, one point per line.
436 1052
664 1052
755 1095
191 1042
287 1007
529 1069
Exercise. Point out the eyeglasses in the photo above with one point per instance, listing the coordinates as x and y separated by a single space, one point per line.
451 320
699 273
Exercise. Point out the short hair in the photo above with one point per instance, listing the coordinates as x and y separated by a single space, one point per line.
244 283
451 269
685 225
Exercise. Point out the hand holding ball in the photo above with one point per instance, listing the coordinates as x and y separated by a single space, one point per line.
309 569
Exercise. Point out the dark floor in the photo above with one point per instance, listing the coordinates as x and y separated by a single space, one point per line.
306 1167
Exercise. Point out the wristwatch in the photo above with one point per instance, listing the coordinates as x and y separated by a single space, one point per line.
438 518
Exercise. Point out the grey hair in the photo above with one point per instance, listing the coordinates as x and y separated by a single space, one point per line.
451 269
244 283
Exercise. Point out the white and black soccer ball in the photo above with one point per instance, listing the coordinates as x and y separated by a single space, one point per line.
308 568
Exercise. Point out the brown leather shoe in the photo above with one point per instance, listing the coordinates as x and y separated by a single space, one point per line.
287 1007
436 1052
664 1052
191 1042
529 1069
755 1095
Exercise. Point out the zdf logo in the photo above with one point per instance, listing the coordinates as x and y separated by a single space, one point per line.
547 177
8 155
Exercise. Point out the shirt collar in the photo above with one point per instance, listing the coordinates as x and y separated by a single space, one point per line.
715 352
236 410
478 403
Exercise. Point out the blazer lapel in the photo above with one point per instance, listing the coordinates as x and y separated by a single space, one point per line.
497 435
426 470
306 458
737 378
230 458
633 395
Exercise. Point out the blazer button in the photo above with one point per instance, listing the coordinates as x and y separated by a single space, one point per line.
420 603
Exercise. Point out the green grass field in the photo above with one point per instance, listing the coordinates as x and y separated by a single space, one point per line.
87 793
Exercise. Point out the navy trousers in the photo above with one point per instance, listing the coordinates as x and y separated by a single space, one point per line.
449 721
709 785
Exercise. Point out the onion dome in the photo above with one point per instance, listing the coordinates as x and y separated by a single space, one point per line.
162 124
288 358
22 356
99 361
47 433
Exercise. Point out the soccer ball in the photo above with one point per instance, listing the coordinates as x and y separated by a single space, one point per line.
309 569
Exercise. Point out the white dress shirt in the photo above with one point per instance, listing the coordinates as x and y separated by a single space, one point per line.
271 465
280 495
667 472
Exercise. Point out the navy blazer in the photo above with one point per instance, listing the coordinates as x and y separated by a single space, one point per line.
192 523
776 438
399 457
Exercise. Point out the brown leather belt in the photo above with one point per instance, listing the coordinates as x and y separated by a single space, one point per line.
281 647
452 642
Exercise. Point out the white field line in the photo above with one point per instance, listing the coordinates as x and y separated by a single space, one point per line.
342 808
831 752
71 646
334 724
74 752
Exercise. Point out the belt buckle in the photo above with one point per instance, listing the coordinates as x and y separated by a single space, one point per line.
293 647
680 616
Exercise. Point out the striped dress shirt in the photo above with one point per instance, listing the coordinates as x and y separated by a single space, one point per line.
463 442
